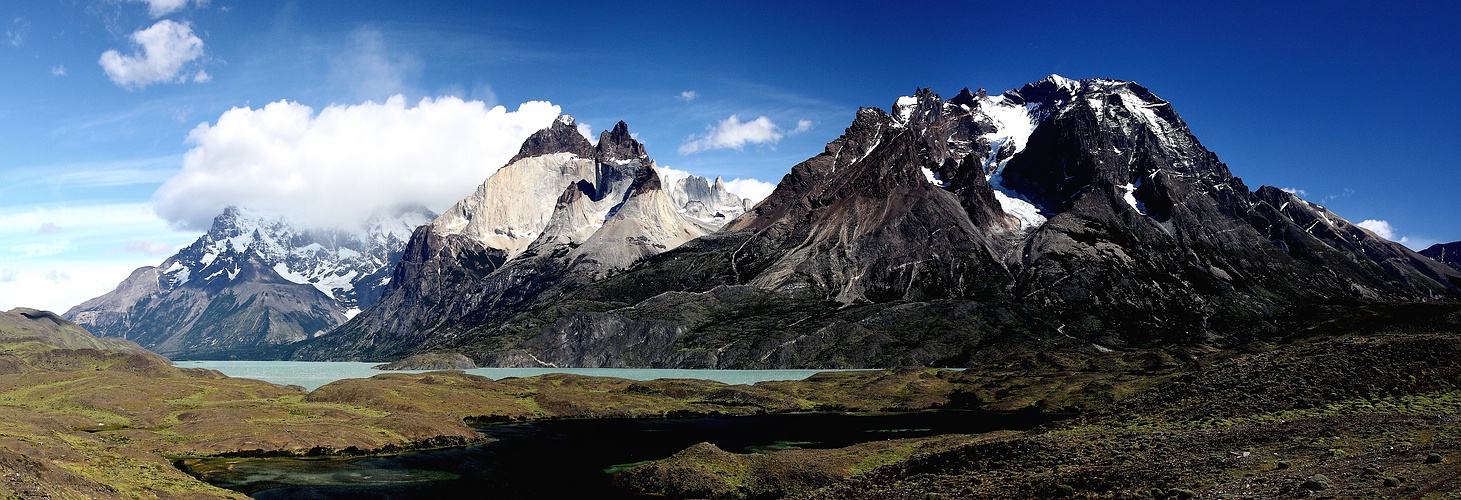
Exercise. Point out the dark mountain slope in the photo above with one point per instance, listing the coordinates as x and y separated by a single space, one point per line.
1065 213
1446 253
944 232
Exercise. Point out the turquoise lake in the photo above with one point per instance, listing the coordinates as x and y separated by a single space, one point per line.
312 374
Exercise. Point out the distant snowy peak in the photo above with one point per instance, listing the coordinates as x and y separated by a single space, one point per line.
706 201
335 261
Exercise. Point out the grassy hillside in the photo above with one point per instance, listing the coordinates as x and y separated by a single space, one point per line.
1365 405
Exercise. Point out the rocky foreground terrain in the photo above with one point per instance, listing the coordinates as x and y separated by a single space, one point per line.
1364 405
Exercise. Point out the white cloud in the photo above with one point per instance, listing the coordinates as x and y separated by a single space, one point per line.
1296 191
802 126
334 167
752 189
9 275
49 228
58 70
167 48
587 132
687 96
732 133
669 176
1383 229
159 8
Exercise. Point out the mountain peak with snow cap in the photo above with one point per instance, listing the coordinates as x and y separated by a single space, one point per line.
254 279
560 137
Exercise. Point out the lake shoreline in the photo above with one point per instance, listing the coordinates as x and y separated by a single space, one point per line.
313 374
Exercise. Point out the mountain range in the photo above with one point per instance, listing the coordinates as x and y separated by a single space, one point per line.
1064 213
256 280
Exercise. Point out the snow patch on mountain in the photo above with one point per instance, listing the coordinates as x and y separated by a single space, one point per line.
1014 123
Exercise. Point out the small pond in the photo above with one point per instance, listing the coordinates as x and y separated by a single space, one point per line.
573 458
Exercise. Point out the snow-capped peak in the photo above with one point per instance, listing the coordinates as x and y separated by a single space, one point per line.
903 109
335 261
1072 86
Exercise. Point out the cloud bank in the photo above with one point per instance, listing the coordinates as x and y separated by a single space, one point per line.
1383 229
166 50
334 167
732 133
752 189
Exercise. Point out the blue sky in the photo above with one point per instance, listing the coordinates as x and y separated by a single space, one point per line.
116 111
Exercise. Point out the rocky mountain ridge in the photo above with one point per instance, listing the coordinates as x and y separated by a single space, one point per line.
1446 253
1064 213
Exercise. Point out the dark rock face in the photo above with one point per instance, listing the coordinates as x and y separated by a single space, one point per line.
1065 213
1445 253
560 137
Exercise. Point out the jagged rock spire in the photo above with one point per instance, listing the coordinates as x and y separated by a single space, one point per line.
618 144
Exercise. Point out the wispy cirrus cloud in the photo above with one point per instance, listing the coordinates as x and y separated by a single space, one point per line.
149 247
732 133
18 30
374 69
164 53
49 259
687 96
